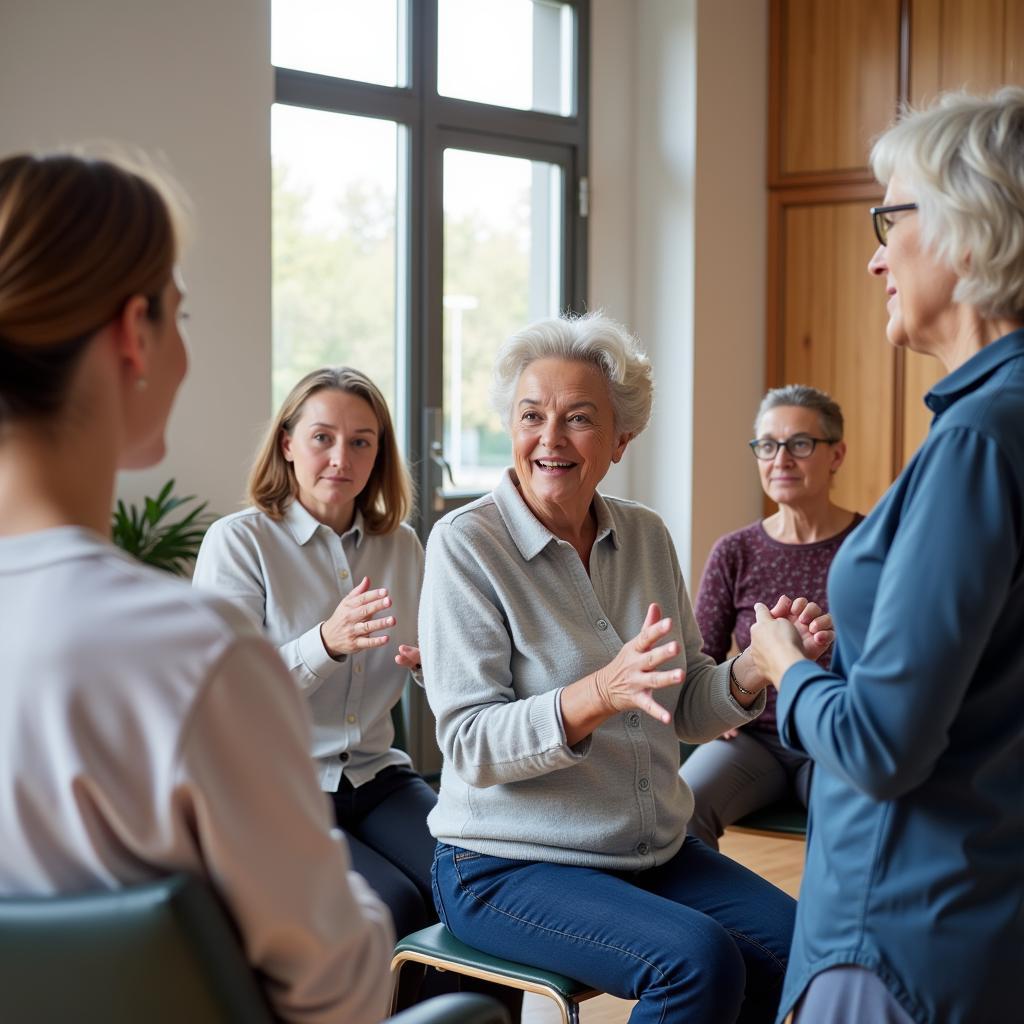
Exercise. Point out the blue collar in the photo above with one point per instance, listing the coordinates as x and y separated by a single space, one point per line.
969 377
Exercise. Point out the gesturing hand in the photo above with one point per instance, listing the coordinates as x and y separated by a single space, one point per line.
630 679
351 624
408 657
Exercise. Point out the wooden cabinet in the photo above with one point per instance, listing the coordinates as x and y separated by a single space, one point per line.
838 92
839 71
832 322
977 45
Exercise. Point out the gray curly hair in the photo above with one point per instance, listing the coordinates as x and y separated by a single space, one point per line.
593 338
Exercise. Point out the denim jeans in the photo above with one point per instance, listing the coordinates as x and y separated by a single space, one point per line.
699 939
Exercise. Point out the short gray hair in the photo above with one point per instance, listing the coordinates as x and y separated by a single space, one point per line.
805 397
593 338
963 158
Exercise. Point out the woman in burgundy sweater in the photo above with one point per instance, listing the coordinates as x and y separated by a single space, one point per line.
799 448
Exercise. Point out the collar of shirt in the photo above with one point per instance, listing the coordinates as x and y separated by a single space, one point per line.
531 536
975 371
56 544
302 524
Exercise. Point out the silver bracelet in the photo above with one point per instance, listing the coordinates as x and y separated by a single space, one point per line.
735 682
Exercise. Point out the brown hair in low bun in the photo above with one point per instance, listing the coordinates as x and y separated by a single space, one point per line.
78 238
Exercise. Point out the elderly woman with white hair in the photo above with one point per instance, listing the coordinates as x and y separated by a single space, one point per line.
911 901
556 636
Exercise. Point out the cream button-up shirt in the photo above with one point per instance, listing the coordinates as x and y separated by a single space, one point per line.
146 729
288 577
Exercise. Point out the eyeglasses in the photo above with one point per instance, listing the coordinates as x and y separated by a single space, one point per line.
800 447
880 219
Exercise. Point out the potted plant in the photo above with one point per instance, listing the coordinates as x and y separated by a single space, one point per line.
153 538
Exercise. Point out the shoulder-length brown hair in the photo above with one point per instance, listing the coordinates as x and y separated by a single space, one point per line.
386 500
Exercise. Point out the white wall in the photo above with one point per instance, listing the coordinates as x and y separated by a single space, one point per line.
731 220
678 244
190 79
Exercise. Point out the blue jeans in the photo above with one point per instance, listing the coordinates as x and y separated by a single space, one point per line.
700 939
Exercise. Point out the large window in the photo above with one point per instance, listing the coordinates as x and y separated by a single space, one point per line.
429 169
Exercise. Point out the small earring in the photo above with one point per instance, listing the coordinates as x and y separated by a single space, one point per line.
141 384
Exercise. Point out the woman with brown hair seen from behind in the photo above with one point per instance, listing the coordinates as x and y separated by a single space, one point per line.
324 562
136 714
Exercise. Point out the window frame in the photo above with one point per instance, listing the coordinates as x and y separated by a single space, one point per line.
432 122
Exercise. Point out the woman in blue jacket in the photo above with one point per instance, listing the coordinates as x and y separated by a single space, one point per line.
911 907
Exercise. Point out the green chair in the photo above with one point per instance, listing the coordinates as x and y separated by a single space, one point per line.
160 953
436 947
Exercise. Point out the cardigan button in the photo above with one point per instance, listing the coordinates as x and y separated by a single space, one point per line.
602 623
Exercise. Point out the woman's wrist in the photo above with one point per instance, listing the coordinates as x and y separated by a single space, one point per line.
745 682
583 708
736 683
333 652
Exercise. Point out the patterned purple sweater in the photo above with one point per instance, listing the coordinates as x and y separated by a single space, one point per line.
749 566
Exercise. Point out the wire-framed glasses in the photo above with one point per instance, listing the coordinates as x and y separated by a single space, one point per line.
882 221
800 447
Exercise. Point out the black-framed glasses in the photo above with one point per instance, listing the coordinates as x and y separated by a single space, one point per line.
882 223
800 447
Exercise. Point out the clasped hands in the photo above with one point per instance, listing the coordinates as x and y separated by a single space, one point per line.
353 625
791 631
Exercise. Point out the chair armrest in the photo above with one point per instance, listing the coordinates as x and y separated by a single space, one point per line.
463 1008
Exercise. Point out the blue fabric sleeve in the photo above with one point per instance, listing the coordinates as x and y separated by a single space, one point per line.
940 590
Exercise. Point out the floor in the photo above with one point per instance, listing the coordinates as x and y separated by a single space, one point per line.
779 860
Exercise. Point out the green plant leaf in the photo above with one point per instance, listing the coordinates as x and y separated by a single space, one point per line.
151 537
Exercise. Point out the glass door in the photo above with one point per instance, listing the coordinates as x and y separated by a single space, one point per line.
505 228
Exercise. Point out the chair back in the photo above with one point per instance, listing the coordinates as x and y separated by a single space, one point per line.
164 953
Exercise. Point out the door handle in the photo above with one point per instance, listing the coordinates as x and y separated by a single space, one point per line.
438 465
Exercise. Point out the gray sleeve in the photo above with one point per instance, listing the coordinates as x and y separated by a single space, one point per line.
486 732
229 564
706 706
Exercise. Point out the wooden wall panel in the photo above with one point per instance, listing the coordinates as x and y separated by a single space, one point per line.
964 44
864 363
973 44
1013 42
808 314
838 71
833 334
839 83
